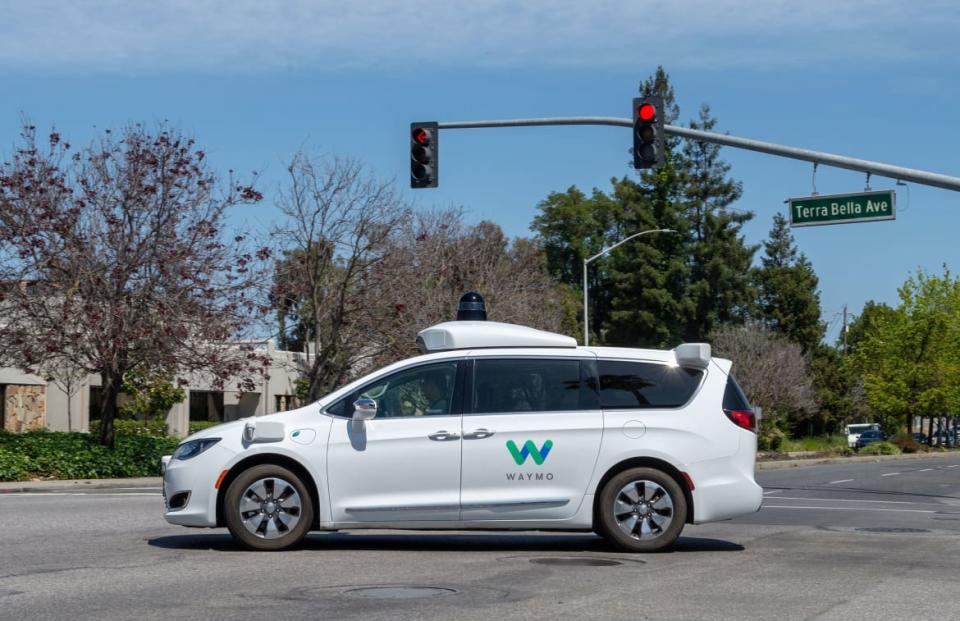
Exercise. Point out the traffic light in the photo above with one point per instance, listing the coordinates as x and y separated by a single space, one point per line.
648 132
424 144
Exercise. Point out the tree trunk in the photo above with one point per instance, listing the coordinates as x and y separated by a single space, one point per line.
110 389
910 425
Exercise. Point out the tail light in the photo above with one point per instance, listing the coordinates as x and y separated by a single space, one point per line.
743 418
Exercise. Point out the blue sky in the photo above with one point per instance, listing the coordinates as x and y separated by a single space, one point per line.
255 81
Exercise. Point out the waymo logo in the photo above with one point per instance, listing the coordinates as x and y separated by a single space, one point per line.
529 450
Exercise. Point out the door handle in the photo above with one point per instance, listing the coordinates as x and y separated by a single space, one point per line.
443 436
478 434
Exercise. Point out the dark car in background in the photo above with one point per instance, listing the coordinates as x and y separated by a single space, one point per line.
869 437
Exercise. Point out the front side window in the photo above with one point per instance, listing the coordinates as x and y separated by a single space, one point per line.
645 385
535 385
425 390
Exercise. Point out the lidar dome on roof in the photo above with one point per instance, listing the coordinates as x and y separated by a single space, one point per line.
477 334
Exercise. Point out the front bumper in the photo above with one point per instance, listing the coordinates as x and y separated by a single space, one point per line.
196 478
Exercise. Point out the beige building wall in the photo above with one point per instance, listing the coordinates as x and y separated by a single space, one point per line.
31 402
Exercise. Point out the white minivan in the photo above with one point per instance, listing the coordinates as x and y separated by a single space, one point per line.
497 426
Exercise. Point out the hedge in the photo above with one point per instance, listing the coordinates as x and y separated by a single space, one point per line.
74 455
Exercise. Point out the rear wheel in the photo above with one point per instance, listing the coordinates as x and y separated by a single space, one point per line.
642 510
268 507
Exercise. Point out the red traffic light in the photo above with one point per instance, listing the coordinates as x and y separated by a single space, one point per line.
647 112
421 136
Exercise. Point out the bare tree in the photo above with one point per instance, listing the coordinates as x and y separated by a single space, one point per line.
68 376
772 370
338 221
119 252
435 257
362 273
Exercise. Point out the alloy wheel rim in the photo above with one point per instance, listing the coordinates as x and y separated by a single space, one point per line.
643 509
270 508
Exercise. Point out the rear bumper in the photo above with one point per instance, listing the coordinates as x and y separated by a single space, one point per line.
724 489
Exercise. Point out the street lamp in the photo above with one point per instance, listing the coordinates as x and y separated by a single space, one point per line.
586 323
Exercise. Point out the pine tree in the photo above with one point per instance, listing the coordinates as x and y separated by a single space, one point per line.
789 301
664 288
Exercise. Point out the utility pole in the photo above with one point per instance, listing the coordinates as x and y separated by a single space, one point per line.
844 329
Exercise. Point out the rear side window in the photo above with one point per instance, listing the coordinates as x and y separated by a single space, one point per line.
733 397
534 385
647 385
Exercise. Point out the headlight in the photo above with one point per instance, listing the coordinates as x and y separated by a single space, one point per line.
192 448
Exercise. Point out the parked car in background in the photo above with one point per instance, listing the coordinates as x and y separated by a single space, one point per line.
854 431
869 437
920 437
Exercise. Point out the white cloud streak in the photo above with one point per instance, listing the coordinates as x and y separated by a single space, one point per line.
201 36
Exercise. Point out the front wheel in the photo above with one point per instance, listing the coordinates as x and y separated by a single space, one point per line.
268 507
642 510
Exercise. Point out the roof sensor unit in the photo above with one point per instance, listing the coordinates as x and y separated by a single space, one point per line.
472 307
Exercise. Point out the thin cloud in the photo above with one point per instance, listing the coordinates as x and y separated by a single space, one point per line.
200 36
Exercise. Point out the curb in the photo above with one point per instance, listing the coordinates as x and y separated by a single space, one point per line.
79 485
780 464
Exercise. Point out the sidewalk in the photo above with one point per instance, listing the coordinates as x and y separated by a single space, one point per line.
79 485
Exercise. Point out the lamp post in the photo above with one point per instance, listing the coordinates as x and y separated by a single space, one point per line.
586 262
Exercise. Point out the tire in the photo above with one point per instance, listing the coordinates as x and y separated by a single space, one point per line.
650 525
268 507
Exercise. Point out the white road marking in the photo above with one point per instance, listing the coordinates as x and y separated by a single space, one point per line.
773 491
891 502
840 481
925 470
849 509
954 466
890 474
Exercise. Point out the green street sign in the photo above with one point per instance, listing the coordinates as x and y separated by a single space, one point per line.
843 208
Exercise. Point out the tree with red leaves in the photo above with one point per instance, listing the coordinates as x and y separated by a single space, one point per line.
116 254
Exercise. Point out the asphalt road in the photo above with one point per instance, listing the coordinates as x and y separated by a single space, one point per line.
847 541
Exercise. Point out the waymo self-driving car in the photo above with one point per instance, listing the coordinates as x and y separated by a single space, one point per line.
496 426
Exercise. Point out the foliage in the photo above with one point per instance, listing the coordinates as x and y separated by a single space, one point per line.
664 288
906 443
65 455
880 448
769 436
156 428
200 425
362 274
909 357
820 444
151 394
788 299
772 371
122 260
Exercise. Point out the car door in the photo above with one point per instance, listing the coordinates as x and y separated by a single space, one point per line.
404 464
531 436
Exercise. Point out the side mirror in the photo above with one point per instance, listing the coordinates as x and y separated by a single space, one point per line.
364 408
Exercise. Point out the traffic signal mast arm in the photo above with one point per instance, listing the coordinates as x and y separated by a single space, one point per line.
880 169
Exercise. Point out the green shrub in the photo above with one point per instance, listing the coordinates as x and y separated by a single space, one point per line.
13 467
61 455
770 438
880 448
122 426
906 443
200 425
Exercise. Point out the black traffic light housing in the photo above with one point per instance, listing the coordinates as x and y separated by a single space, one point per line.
648 132
424 149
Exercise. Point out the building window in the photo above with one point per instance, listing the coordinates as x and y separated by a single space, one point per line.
282 403
206 405
94 405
